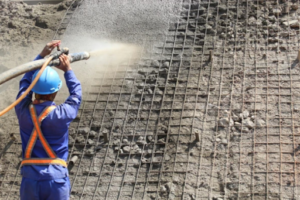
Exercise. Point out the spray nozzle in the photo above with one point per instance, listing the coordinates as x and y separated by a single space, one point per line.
65 51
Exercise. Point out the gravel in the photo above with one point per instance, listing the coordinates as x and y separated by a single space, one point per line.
225 122
248 123
201 167
126 149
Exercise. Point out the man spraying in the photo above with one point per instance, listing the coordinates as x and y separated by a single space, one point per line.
44 131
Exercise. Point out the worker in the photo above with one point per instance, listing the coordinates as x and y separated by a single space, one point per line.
44 130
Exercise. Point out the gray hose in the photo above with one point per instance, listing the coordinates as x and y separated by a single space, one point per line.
34 65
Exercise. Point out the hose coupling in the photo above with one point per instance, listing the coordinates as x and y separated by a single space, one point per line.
57 54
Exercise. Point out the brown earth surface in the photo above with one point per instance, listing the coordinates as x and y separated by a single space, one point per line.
208 110
24 30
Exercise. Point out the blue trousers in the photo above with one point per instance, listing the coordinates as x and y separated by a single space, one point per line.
57 189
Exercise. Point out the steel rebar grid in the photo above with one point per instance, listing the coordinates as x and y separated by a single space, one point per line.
279 111
243 97
177 73
255 113
292 109
103 118
212 184
133 137
195 130
266 157
12 165
134 133
171 196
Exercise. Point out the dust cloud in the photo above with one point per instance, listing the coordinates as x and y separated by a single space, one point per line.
105 57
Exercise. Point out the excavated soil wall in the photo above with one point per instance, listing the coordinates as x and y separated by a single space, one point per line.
208 109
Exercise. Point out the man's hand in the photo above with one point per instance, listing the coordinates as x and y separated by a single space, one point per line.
49 47
64 63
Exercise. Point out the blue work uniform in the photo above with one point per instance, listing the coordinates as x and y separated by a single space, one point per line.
47 181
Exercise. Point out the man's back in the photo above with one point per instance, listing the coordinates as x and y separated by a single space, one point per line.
42 180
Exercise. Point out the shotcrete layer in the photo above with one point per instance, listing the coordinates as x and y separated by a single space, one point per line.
123 20
189 99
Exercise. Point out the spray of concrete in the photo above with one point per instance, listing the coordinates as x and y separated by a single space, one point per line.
106 57
114 54
122 20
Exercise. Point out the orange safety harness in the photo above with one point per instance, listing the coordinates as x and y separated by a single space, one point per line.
37 133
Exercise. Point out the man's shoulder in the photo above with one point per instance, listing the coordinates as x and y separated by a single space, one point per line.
23 106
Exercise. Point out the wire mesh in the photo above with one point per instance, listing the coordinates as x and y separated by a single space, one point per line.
213 113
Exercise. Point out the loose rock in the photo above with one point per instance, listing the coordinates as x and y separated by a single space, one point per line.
155 63
141 141
116 142
276 11
92 134
248 123
163 188
126 149
225 122
235 117
294 7
80 139
246 114
224 141
260 123
222 8
166 64
238 125
90 142
161 141
149 138
244 129
12 25
144 160
167 157
135 147
292 23
90 151
84 131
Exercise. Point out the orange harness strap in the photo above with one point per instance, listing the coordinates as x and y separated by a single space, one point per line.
37 133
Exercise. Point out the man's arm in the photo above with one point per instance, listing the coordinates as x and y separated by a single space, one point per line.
73 102
27 78
70 108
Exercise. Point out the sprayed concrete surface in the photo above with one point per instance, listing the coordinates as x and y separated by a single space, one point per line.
131 21
119 29
96 25
185 100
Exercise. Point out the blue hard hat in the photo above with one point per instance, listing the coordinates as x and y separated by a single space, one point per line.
48 83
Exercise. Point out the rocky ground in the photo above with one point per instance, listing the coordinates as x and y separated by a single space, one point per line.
209 110
23 27
24 30
22 24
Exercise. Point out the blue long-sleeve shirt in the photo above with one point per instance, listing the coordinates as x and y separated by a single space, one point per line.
54 127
